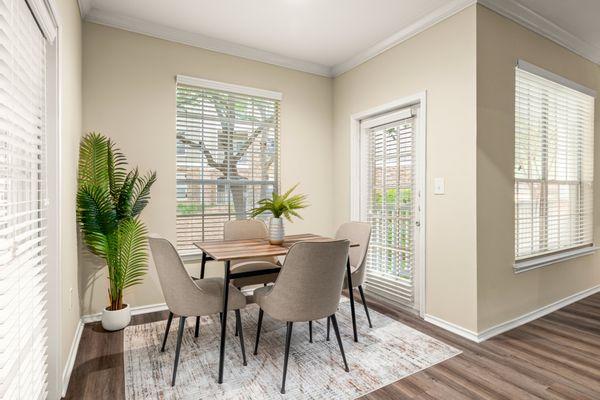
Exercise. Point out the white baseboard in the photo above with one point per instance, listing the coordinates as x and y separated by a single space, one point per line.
71 358
450 327
540 312
134 311
488 333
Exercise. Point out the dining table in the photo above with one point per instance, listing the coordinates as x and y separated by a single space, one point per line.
229 250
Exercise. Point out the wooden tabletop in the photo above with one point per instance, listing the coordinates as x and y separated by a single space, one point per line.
223 250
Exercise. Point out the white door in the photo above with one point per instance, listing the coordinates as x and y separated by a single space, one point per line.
390 201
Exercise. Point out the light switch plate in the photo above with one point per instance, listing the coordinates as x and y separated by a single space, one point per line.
438 186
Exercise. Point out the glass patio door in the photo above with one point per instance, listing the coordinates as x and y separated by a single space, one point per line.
389 203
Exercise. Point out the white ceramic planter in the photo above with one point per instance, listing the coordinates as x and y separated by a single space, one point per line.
276 231
116 320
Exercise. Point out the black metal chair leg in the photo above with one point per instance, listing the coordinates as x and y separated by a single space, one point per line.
364 301
197 331
167 331
328 327
339 340
258 326
288 339
310 331
238 326
178 348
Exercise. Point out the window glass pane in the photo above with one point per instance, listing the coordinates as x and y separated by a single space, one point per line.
553 166
390 209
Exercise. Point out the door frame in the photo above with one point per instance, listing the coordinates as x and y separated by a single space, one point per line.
356 161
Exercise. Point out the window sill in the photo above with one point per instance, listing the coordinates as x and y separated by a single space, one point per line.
530 264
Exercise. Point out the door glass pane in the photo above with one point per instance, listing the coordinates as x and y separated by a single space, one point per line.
390 210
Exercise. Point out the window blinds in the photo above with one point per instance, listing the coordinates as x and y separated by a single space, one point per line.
390 210
22 204
227 156
554 162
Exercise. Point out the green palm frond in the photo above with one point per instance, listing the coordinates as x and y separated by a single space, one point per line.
116 169
281 205
141 195
93 160
109 201
133 256
125 199
95 210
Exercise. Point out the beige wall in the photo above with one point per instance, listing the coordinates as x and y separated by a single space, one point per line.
440 60
503 295
129 94
70 125
466 65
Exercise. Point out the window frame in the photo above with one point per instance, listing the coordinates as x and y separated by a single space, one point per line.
545 258
194 254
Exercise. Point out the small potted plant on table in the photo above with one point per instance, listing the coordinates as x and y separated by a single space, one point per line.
280 206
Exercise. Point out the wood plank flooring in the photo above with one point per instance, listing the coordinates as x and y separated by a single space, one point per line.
554 357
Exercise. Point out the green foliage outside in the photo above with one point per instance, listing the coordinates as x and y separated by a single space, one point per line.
190 208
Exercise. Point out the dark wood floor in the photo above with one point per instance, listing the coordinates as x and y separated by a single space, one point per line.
555 357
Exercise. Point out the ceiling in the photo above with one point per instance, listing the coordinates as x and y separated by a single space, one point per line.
328 37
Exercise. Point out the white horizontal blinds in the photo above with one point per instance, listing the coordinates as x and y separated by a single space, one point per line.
227 159
22 204
554 162
390 210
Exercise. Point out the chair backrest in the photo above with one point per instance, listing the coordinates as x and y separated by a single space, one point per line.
356 232
309 285
177 286
242 229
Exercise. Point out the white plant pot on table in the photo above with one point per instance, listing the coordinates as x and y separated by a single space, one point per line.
276 231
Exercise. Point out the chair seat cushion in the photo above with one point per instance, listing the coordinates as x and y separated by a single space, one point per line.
247 266
213 288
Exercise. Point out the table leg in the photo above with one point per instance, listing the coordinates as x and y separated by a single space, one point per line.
351 293
224 319
202 265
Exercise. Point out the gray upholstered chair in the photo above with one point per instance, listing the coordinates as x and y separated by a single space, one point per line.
308 288
250 229
187 297
243 229
356 232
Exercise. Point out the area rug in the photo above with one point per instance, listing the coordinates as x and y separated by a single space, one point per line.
384 354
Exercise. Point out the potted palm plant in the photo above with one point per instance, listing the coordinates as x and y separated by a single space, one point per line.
109 203
284 205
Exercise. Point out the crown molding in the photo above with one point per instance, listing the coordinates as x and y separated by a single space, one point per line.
508 8
84 7
198 40
531 20
424 23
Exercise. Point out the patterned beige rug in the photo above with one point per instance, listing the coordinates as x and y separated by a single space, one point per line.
386 353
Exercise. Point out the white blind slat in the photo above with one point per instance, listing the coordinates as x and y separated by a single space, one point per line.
554 165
